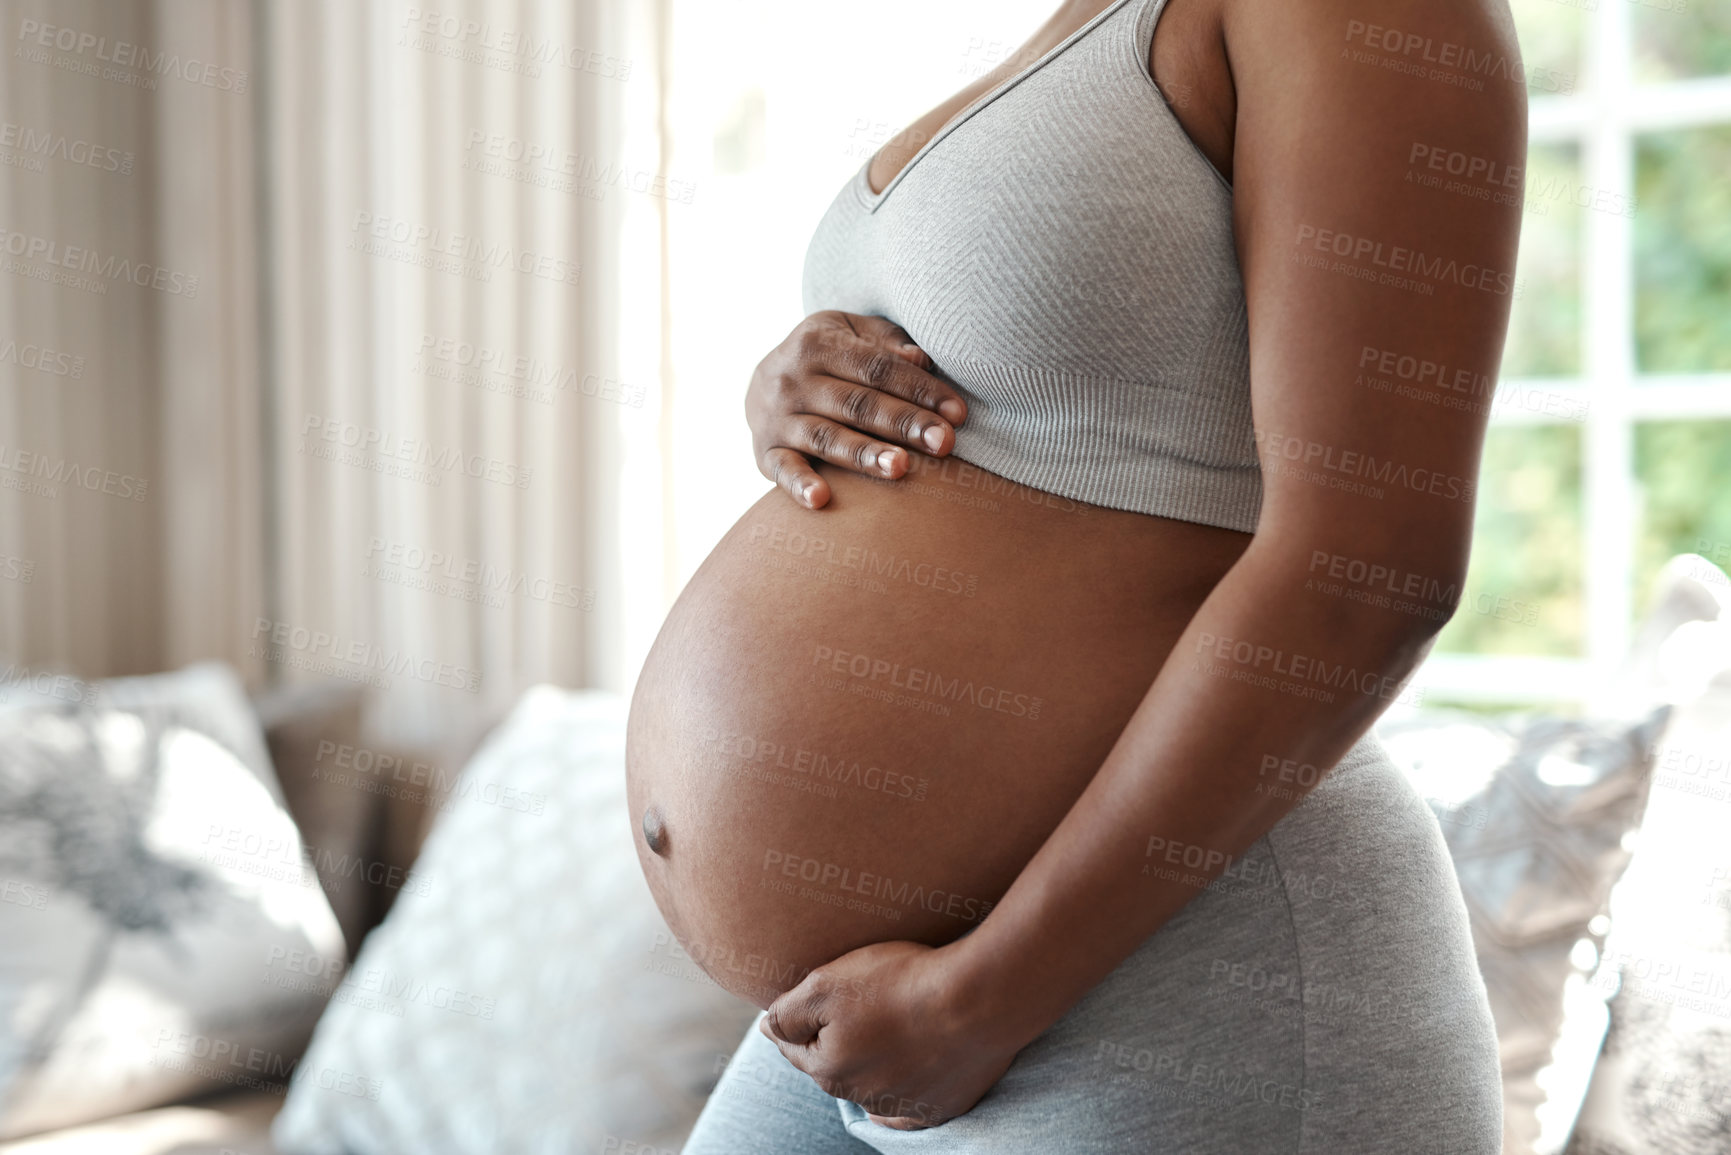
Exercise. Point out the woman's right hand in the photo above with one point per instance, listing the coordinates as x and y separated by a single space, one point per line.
852 391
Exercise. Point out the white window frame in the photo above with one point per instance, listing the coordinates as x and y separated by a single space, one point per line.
1605 121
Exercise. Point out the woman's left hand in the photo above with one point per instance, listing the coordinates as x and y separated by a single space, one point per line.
883 1026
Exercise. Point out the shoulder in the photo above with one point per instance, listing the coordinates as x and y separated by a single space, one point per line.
1416 52
1346 96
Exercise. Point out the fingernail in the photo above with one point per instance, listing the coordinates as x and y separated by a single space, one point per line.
805 493
933 437
887 460
953 410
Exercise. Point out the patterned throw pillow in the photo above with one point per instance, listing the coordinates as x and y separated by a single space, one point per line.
1663 1086
146 868
1535 810
524 995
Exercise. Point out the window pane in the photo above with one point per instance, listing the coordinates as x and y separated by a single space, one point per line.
1681 470
1551 33
1545 325
1675 39
1683 251
1523 591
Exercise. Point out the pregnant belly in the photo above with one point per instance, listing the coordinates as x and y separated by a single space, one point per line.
859 723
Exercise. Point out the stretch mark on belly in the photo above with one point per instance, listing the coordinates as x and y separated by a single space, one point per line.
655 831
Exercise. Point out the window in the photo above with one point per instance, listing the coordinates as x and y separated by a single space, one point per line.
1610 450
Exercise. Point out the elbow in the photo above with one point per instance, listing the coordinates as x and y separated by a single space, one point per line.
1401 588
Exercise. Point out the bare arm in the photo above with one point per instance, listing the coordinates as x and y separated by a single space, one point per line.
1345 263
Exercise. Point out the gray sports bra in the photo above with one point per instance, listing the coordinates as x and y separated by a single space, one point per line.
1064 253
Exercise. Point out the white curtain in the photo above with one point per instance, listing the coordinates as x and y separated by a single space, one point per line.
385 435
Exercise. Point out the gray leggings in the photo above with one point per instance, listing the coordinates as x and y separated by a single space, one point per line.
1321 997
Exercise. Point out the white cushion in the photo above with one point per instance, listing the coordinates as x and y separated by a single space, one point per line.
149 877
526 996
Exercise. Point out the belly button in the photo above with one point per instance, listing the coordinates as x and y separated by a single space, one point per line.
655 831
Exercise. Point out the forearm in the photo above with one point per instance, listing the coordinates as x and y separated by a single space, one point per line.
1266 676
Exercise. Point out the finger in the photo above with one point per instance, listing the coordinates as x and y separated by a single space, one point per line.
795 1055
898 1122
841 445
864 359
794 473
797 1016
874 412
883 329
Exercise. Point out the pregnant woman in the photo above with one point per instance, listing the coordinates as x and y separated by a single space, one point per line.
1019 766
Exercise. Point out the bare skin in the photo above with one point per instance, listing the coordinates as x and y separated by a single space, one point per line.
1152 644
